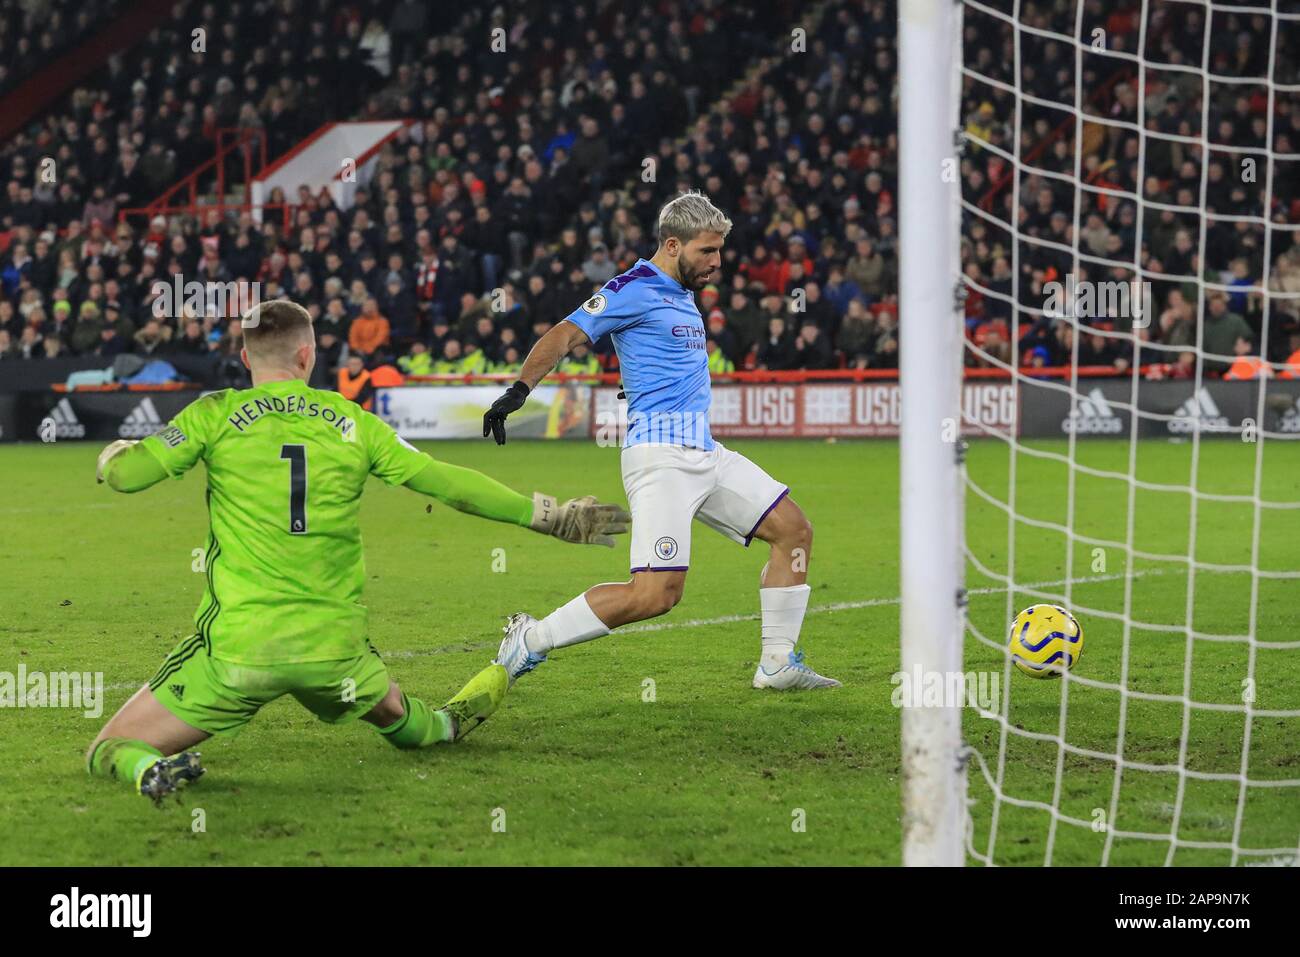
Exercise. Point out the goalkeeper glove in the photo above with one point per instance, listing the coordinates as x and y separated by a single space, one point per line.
582 520
494 419
110 450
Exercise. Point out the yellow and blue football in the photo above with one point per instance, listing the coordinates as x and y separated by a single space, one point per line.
1045 641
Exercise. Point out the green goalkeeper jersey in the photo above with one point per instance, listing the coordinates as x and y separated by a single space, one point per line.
286 467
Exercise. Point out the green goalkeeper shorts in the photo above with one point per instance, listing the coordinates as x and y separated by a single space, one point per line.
220 697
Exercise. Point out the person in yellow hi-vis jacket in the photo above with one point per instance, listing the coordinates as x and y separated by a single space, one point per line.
719 364
510 362
581 362
474 362
456 362
418 362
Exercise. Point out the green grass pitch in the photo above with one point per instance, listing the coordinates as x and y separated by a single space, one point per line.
579 767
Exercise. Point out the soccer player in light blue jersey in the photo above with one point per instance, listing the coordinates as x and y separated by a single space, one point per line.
673 470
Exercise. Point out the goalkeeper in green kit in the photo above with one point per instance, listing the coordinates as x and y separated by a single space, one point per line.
281 610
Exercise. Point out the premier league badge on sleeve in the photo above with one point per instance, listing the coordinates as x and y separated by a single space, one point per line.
594 305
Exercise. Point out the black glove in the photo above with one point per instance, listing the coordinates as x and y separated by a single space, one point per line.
494 419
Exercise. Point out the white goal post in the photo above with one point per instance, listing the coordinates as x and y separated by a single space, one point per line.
930 358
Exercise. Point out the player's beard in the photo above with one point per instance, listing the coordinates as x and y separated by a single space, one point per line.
693 276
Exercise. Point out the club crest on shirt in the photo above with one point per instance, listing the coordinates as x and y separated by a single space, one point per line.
594 305
665 548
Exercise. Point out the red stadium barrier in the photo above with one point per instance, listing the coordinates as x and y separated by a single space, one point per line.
754 377
128 387
784 376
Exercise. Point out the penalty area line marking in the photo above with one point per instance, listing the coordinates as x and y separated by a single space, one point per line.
879 602
734 619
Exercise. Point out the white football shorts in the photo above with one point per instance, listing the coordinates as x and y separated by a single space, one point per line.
668 485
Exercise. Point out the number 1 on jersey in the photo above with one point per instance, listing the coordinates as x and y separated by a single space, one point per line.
297 456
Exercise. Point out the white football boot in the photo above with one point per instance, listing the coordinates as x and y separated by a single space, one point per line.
794 675
513 654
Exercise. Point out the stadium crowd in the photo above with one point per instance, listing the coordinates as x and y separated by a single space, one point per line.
527 180
34 34
1120 198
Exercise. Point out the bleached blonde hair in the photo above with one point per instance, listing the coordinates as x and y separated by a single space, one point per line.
689 214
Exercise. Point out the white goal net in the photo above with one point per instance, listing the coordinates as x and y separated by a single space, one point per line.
1129 186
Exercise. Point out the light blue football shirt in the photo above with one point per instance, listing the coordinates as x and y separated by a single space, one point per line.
659 336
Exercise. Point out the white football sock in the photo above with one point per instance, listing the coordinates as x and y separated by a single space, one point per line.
569 624
783 611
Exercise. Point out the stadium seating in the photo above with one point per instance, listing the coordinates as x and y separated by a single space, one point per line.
541 173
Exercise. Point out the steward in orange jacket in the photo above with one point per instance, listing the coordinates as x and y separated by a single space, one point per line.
369 331
1248 367
354 382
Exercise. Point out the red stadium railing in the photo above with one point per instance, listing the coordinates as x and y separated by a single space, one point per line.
249 141
763 375
197 209
128 387
793 377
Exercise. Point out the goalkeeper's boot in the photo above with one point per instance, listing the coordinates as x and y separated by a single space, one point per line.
794 675
167 775
513 654
475 702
